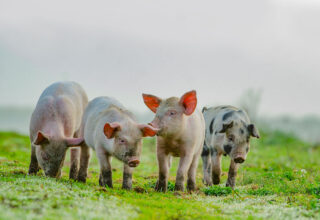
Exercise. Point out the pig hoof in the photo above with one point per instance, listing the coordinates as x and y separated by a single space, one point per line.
161 186
33 170
207 182
179 187
230 185
191 186
81 179
105 183
216 179
126 187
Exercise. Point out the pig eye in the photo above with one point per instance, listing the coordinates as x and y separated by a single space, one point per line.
44 156
231 137
122 141
172 113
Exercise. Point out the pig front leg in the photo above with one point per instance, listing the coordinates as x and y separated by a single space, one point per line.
105 167
127 177
206 166
232 174
74 160
216 166
84 163
34 166
184 165
163 162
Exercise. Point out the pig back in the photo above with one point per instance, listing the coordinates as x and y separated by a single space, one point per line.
95 116
61 104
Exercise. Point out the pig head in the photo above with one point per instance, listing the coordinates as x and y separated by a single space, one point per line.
51 152
171 112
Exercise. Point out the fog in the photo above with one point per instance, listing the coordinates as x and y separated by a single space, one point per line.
124 48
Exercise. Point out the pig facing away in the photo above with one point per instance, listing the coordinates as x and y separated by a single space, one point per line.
54 128
111 130
181 134
228 132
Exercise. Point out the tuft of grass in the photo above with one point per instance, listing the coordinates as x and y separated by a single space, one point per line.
260 192
217 191
314 190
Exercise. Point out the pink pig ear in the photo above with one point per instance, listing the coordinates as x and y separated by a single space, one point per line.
148 130
72 142
41 139
189 102
110 129
151 101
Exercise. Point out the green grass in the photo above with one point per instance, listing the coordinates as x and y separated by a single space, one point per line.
279 180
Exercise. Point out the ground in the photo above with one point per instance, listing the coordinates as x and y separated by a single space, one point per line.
279 180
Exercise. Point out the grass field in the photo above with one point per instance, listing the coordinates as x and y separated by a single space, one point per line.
279 180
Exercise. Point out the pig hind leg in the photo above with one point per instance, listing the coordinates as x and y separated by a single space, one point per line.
105 167
34 166
74 166
84 163
206 165
216 166
75 160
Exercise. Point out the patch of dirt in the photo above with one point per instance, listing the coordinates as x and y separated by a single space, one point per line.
19 172
139 189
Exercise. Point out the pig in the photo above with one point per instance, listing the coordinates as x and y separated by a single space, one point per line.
181 134
228 132
112 131
54 127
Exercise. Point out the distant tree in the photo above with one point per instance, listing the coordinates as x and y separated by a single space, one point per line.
250 102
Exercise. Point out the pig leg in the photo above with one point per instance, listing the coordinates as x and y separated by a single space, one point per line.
74 159
216 166
163 162
232 174
84 163
206 165
184 165
34 166
127 177
105 167
169 162
191 183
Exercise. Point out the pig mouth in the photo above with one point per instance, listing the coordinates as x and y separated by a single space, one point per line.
133 163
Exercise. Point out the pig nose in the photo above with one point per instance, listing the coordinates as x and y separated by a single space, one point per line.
133 163
239 159
152 124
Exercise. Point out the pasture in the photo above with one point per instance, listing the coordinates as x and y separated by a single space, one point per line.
279 180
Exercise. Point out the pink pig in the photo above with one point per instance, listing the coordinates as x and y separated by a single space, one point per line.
181 134
54 128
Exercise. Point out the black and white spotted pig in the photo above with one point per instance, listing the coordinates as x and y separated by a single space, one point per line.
228 132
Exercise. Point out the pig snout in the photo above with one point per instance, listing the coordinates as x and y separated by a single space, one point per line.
239 159
133 163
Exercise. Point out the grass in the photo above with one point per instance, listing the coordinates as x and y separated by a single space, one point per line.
279 180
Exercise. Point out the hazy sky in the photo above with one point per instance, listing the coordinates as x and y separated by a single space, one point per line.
124 48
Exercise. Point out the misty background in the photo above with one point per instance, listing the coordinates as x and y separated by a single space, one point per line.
260 55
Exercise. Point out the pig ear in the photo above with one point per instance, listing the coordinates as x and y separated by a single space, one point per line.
151 101
253 131
189 102
110 129
41 139
72 142
148 130
225 127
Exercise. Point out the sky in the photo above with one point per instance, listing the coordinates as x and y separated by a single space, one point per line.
166 48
